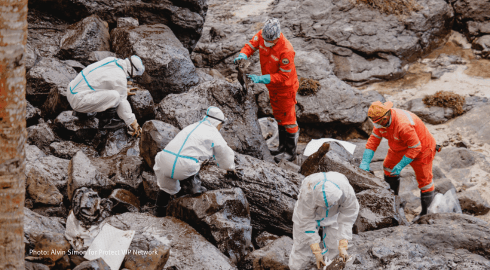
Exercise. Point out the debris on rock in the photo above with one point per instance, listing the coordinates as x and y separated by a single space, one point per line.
124 201
89 208
308 86
397 7
446 99
472 202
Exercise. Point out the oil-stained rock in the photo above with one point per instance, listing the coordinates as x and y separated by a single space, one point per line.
273 256
53 169
168 67
68 149
189 249
35 266
265 238
127 22
41 189
154 137
70 128
96 56
151 253
242 133
271 191
43 36
33 153
32 114
142 106
41 135
150 185
82 38
438 241
116 141
377 210
221 216
124 201
98 264
48 75
81 173
122 170
472 202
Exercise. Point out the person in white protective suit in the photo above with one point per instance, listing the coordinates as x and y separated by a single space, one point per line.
325 200
102 87
182 157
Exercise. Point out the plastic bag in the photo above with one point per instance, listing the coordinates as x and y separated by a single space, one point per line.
447 203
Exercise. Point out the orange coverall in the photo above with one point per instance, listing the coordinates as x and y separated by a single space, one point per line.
278 61
407 135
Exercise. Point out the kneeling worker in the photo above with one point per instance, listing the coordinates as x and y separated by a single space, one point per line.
410 143
325 200
182 157
102 87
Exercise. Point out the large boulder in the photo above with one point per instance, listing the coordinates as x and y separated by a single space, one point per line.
116 141
155 136
51 169
242 135
41 189
183 240
48 77
271 191
150 253
221 216
168 67
377 210
71 128
185 18
41 135
142 105
472 17
472 202
82 38
438 241
273 256
472 125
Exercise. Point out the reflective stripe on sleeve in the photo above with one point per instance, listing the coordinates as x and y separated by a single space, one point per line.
415 146
387 169
409 117
427 186
251 46
376 136
284 70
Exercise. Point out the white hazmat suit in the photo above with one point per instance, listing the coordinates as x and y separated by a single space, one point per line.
103 85
326 200
183 156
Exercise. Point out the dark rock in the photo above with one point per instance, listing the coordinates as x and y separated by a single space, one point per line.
472 202
188 108
438 115
116 142
88 35
483 44
127 22
265 239
124 201
41 135
310 165
81 173
88 208
150 185
273 256
155 136
142 106
96 56
98 264
436 242
43 36
155 258
472 16
51 169
32 114
127 171
60 210
443 185
41 189
68 149
221 216
271 191
70 128
181 238
48 77
77 66
63 263
377 210
35 266
33 153
185 18
168 67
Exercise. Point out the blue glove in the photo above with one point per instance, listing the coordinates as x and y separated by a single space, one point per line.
240 56
366 159
265 79
399 167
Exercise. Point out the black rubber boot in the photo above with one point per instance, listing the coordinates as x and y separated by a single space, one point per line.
192 185
426 199
291 143
110 120
163 198
394 182
282 146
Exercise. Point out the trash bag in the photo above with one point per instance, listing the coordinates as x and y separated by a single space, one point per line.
447 203
270 131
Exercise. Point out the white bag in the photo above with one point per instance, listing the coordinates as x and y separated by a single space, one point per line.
447 203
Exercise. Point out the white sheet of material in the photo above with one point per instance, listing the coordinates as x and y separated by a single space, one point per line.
314 145
111 244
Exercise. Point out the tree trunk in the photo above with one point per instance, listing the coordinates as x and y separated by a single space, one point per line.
13 38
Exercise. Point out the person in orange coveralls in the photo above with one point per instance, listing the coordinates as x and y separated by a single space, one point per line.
410 142
279 76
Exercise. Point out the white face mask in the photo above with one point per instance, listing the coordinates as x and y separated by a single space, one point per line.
376 125
268 44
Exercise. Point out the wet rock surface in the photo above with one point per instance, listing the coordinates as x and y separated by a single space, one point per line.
221 216
124 201
142 106
68 149
471 125
271 191
168 68
155 136
275 255
71 128
98 264
265 238
52 169
437 241
116 141
41 189
43 36
82 38
32 114
41 135
188 108
157 249
189 249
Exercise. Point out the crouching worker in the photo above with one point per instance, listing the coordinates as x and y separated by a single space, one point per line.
182 157
102 87
326 200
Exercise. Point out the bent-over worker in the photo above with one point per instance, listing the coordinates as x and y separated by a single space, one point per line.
326 200
279 76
